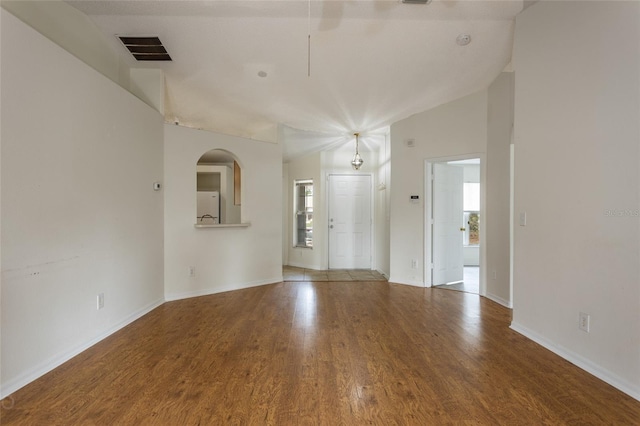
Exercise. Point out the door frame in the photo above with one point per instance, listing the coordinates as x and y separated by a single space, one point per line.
447 198
371 213
428 214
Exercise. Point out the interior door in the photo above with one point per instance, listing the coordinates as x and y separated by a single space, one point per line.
448 256
349 222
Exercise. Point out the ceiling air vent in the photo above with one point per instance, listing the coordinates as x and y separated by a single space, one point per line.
145 48
416 1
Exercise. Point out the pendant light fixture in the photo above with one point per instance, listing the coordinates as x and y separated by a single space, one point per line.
357 160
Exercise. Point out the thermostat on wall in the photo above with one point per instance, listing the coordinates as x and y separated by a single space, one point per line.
415 199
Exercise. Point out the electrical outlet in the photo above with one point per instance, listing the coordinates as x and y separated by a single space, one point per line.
414 264
100 301
583 321
192 271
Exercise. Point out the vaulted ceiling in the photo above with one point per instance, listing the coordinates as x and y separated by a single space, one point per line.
243 67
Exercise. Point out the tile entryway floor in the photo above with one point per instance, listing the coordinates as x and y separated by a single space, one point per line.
291 273
471 283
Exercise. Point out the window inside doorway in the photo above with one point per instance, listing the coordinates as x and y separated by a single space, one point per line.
471 206
303 197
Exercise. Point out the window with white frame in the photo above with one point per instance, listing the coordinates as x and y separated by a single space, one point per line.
303 199
471 207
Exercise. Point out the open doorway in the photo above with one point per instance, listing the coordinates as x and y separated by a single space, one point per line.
454 224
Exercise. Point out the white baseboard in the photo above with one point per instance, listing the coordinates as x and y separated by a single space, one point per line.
579 361
43 368
499 300
24 379
208 291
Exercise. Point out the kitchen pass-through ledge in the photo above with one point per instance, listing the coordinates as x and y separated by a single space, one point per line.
223 225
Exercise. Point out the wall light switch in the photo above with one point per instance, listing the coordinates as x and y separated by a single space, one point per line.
523 219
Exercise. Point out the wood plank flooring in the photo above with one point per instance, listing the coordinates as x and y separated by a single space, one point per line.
324 353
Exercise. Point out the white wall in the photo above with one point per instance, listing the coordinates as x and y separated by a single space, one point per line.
2 387
499 128
307 167
577 140
286 199
224 258
234 211
456 128
471 255
79 217
471 173
75 32
381 213
148 85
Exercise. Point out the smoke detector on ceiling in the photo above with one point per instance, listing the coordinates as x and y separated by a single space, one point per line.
463 39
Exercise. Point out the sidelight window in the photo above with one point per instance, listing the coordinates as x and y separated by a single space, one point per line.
471 206
303 196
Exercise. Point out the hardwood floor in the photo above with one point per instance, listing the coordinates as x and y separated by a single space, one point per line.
324 353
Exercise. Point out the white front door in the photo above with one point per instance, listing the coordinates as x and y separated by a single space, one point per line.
448 256
349 222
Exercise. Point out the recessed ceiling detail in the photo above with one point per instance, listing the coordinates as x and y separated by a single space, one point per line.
145 48
369 59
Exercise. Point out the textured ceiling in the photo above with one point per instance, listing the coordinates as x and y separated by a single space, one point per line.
372 62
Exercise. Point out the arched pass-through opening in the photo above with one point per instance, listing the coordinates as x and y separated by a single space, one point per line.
218 189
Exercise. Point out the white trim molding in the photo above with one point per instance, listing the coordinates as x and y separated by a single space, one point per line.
581 362
43 368
208 291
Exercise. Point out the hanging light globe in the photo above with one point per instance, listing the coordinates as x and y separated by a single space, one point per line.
357 159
